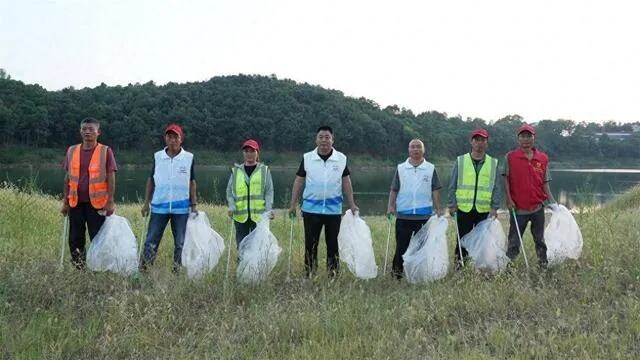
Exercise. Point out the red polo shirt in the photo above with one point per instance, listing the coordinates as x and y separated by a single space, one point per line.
526 178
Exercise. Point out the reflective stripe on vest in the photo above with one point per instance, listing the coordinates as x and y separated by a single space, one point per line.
172 179
475 189
323 183
250 201
98 186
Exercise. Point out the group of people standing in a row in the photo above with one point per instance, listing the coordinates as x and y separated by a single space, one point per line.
475 193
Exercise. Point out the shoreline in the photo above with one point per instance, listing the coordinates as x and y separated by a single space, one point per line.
555 166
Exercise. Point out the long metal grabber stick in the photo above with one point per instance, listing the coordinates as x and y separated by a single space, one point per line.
515 221
65 232
386 251
455 220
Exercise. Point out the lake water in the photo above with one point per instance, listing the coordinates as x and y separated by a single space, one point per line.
572 187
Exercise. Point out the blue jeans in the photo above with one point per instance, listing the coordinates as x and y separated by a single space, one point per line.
157 224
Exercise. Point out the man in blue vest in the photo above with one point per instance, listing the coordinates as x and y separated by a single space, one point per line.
171 192
413 197
474 188
325 176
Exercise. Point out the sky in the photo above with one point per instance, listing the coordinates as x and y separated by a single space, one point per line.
560 59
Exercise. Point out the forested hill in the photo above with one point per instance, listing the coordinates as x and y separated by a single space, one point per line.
220 113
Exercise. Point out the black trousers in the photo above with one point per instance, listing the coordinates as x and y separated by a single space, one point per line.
404 230
537 231
313 224
466 222
81 218
243 229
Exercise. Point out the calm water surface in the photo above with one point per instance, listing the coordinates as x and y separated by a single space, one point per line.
572 187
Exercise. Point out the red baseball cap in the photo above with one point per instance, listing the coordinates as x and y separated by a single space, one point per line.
526 127
176 129
480 132
251 144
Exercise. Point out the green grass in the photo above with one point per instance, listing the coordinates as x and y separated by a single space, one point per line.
589 309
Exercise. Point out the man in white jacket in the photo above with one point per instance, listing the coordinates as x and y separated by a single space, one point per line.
413 197
325 176
171 192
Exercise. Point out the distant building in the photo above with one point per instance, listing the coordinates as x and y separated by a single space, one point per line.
620 136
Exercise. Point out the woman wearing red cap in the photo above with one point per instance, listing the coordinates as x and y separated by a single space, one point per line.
249 191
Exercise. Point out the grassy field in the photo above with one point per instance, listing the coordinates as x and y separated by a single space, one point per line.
589 309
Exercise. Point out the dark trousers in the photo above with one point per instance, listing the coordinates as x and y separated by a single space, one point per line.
537 230
81 218
157 224
313 224
404 230
466 222
243 229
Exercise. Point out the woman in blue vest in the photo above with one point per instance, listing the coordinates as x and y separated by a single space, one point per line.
325 176
413 197
249 191
171 192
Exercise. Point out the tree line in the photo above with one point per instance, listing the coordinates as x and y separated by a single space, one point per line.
281 114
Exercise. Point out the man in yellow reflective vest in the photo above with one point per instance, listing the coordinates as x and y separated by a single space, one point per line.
249 191
473 190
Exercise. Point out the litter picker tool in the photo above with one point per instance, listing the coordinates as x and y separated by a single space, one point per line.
515 221
455 220
386 251
143 233
65 235
291 220
226 274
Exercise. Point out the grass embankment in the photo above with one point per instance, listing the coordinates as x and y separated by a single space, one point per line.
586 310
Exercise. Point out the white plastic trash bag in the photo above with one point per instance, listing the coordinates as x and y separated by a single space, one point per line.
487 246
356 248
114 248
202 246
562 236
427 258
258 253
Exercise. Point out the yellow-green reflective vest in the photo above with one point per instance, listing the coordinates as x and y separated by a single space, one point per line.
249 199
475 189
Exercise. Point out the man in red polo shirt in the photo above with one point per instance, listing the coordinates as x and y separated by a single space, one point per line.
527 190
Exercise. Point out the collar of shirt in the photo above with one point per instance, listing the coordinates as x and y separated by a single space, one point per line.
166 156
422 165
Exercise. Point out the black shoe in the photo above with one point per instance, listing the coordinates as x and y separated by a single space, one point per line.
459 266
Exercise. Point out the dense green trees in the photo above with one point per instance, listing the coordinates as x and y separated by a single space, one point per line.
220 113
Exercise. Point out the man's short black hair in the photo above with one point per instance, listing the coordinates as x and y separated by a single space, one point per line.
325 128
90 120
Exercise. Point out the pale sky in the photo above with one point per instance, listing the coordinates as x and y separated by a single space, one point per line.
570 59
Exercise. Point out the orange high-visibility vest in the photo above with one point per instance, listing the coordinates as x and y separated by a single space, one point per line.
98 186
